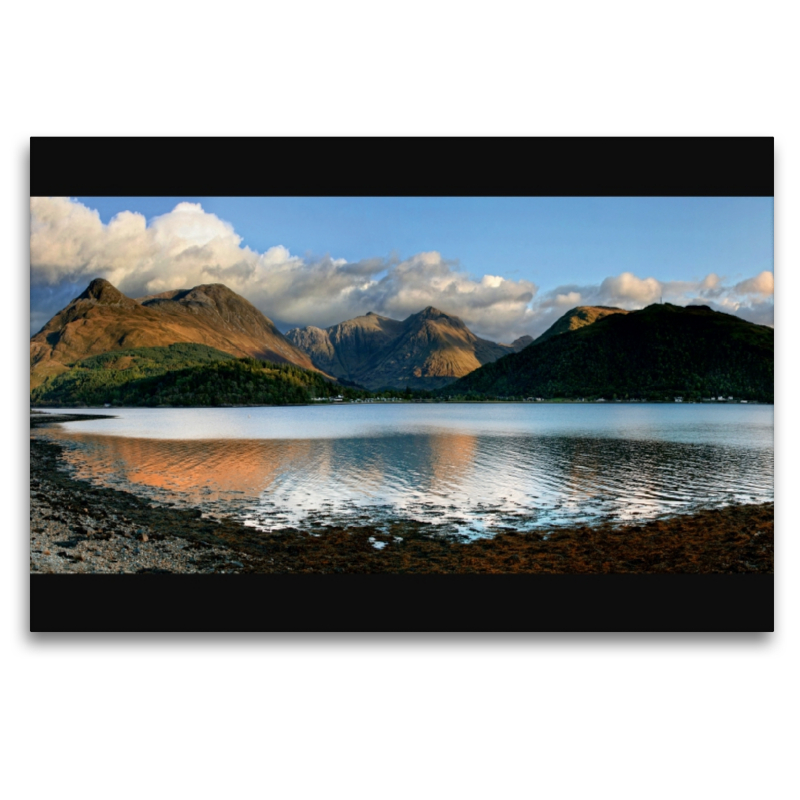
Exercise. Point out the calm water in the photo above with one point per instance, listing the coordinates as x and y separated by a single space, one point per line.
471 468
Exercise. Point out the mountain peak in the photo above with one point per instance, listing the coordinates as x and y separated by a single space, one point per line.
579 317
438 317
433 313
210 291
214 288
523 341
103 292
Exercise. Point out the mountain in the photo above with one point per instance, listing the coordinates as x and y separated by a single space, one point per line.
518 344
102 319
579 317
659 352
345 349
425 351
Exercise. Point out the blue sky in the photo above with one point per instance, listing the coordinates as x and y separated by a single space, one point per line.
508 266
546 240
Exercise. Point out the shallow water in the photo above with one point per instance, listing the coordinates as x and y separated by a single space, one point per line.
471 468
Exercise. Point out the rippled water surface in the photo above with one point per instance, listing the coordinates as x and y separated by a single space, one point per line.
472 468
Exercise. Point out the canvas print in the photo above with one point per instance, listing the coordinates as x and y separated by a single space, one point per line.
494 385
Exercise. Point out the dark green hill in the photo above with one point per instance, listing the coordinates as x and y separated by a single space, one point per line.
180 375
656 353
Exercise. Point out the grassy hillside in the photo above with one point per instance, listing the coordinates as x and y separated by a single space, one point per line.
656 353
180 375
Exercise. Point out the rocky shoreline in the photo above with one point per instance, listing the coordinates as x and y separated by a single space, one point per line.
77 527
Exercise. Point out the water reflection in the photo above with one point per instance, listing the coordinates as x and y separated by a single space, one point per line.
471 483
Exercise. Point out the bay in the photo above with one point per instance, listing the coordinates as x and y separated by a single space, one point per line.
470 469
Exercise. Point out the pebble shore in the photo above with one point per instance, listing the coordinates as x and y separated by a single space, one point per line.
77 528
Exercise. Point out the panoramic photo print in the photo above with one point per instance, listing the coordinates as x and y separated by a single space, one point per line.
540 385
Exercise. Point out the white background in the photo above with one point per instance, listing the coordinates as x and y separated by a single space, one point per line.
429 716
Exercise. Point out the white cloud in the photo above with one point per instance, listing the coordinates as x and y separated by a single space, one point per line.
70 245
627 288
188 246
763 284
568 300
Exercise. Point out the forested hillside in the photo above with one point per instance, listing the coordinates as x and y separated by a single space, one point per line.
181 375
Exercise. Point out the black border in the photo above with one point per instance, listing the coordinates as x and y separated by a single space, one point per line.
402 603
200 167
391 166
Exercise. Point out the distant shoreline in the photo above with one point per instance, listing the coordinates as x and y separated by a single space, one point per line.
78 527
56 409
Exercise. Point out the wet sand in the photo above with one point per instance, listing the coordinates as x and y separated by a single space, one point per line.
77 527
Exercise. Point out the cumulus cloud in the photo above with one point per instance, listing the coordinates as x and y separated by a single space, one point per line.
763 284
627 288
70 245
188 246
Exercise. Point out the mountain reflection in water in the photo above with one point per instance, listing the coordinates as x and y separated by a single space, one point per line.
470 482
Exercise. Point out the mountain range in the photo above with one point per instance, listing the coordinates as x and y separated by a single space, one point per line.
178 347
425 351
102 319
